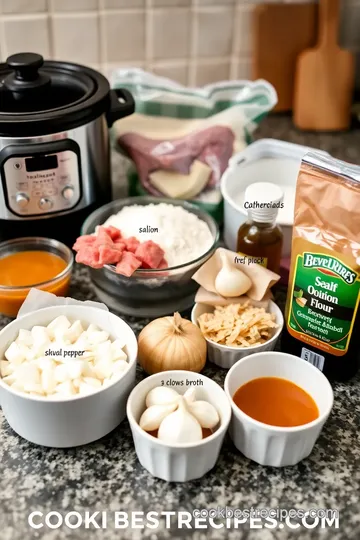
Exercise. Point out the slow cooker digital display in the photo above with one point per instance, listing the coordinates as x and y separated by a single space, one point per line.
41 163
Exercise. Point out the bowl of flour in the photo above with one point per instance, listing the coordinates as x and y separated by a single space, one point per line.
188 236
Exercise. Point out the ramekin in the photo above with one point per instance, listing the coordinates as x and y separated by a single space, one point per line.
180 462
271 445
12 297
74 420
226 356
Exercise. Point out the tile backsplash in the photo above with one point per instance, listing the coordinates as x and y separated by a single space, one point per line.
192 41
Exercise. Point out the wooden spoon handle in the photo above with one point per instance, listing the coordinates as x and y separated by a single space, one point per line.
328 22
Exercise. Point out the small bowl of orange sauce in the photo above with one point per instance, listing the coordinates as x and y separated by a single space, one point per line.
25 263
280 404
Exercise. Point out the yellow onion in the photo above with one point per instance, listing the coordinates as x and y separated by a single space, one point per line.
171 343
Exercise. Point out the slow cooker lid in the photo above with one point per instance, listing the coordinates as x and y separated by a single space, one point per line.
34 92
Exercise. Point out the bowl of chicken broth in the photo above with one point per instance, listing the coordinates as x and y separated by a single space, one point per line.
280 404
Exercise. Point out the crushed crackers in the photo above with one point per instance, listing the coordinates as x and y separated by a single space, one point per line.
238 325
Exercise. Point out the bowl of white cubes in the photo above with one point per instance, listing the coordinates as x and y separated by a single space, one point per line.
66 373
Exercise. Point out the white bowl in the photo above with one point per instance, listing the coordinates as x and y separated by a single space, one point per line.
72 421
181 462
226 356
271 445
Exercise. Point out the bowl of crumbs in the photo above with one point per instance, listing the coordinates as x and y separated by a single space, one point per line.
234 331
143 251
66 374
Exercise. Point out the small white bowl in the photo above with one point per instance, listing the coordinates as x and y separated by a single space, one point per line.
271 445
226 356
180 462
75 420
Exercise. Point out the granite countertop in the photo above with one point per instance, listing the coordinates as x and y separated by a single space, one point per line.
106 475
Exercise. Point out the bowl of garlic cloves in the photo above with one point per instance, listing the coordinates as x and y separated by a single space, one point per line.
178 421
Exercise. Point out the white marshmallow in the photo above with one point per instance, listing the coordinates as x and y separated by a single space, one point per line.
75 369
120 366
15 354
27 374
6 368
86 388
95 383
76 383
40 336
61 373
117 352
9 379
103 351
104 368
74 332
48 381
98 337
30 353
34 389
66 388
24 337
44 363
58 327
92 328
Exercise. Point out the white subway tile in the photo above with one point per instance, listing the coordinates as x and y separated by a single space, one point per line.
170 3
76 38
243 30
170 33
30 34
118 4
123 36
74 5
213 34
23 6
207 72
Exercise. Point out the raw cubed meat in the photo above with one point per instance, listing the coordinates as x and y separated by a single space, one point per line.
113 232
163 264
89 255
103 236
120 244
85 240
128 264
131 243
110 254
150 254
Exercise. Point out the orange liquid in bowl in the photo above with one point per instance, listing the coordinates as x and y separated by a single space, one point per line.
276 402
25 269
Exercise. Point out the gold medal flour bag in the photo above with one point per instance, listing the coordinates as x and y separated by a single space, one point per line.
322 317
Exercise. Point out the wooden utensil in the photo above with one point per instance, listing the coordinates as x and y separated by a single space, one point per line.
324 79
280 33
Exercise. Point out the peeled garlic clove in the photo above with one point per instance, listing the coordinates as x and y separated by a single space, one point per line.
230 281
205 413
180 426
154 415
161 395
190 395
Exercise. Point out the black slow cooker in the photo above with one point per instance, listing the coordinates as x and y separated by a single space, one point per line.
54 145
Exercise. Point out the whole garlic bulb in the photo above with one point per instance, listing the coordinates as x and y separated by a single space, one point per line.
180 426
178 419
171 343
230 281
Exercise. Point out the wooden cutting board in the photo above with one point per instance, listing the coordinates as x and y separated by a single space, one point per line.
280 33
325 78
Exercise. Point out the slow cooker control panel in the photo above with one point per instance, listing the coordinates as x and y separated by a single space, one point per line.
45 181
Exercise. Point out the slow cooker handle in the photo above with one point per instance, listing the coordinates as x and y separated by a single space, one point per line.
119 109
